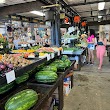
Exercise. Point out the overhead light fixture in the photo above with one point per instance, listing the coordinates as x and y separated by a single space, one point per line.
101 5
2 1
39 13
99 16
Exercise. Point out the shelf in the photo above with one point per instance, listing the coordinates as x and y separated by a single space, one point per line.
79 52
67 70
52 88
44 93
27 68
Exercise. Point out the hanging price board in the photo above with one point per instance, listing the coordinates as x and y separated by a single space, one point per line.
10 76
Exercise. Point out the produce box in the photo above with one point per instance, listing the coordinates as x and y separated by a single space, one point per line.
43 84
67 87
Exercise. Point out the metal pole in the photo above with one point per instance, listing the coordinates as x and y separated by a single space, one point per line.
53 41
57 28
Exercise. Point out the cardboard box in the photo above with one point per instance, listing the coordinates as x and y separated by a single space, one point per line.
67 88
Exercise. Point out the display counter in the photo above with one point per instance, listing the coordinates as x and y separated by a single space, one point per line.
79 54
45 91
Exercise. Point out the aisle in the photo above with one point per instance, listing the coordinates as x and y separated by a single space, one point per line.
91 89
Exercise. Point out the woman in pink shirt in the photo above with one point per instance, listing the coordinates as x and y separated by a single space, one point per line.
91 46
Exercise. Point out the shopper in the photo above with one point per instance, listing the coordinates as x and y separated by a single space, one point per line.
10 43
91 46
17 42
101 48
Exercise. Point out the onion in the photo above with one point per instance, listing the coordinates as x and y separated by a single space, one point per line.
10 66
2 67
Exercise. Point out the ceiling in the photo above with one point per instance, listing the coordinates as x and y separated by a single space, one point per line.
88 9
13 2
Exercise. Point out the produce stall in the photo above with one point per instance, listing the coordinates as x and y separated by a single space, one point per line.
27 75
44 92
76 49
79 53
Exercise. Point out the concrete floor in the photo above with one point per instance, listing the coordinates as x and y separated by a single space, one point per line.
91 89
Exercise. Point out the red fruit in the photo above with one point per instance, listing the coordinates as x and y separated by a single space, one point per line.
2 67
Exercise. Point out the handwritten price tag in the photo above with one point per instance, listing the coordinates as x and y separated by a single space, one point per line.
10 76
58 52
52 55
48 57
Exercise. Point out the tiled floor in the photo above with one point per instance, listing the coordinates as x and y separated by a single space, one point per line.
91 89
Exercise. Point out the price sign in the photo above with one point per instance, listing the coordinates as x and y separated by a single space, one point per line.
58 52
10 76
52 55
48 57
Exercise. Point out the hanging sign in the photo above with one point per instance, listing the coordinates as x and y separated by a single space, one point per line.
13 17
66 20
62 15
83 24
77 19
35 20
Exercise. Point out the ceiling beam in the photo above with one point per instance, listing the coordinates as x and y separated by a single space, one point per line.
20 8
86 11
93 23
87 3
93 10
95 16
66 6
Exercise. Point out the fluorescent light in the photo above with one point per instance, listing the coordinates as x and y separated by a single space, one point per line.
101 5
2 1
37 13
99 16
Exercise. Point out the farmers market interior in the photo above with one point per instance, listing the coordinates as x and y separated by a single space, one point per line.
54 54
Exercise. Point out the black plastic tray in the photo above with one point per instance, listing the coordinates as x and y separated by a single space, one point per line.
27 68
67 70
44 90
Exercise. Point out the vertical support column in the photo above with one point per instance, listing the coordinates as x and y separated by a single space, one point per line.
60 94
53 40
32 30
57 28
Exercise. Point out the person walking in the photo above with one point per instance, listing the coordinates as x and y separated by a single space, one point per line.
91 46
101 48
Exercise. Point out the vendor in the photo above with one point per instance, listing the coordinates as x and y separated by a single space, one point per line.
17 42
10 43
